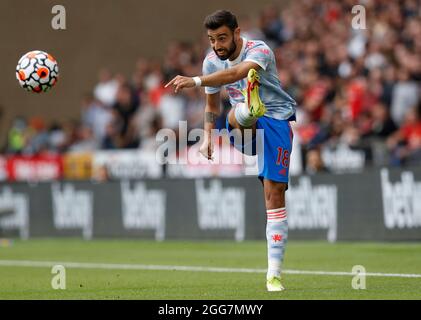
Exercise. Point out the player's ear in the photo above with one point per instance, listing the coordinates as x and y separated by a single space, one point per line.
237 33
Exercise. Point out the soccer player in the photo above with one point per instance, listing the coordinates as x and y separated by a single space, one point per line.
247 69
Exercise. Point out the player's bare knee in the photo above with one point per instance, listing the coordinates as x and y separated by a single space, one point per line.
231 119
275 199
274 194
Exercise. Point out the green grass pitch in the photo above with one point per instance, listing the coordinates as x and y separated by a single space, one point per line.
30 282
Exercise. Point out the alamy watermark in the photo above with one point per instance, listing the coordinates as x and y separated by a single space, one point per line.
358 281
249 142
58 22
58 282
359 20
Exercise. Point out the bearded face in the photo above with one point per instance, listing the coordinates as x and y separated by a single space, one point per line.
223 42
224 53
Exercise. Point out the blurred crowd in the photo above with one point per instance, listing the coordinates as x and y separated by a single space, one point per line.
358 88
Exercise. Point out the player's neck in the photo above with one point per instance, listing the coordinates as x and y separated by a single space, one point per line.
237 51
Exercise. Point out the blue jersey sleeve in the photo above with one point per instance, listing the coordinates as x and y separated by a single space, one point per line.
260 53
208 68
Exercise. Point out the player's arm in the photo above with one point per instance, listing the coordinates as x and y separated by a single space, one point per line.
212 111
216 79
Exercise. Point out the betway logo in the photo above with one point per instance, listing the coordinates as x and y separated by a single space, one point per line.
401 201
14 211
72 208
312 207
221 208
143 209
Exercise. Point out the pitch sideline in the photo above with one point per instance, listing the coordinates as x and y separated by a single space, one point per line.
114 266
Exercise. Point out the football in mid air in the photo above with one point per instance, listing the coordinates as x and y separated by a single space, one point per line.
37 71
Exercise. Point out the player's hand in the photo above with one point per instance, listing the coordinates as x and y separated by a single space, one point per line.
206 149
180 82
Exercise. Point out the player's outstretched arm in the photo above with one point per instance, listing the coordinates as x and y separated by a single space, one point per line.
212 111
215 79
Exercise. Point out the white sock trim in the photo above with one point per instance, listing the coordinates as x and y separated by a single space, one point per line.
243 116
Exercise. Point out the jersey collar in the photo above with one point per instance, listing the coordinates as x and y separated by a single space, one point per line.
238 59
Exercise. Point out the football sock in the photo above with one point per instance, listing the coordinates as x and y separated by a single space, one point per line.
243 116
276 236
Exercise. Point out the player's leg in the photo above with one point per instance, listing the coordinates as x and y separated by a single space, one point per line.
276 231
244 116
274 173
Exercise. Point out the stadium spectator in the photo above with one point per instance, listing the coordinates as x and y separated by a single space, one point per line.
271 25
194 108
96 116
86 141
314 162
249 29
111 139
124 109
56 138
146 123
17 136
405 95
172 108
406 142
37 137
382 124
106 89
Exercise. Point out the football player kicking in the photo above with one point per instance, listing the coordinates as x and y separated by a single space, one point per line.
247 69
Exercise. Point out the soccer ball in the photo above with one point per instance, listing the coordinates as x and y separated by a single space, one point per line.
37 71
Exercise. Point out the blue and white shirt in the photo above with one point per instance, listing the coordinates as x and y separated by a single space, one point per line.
278 103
